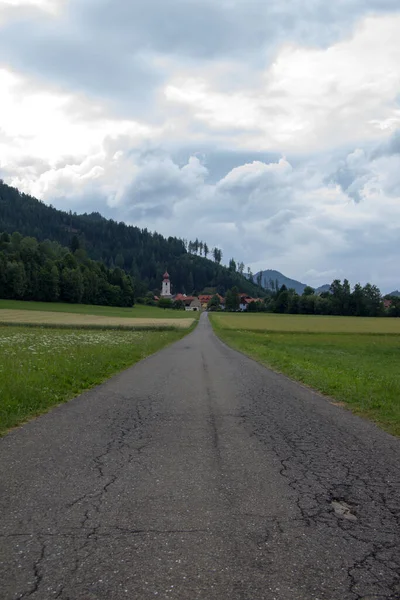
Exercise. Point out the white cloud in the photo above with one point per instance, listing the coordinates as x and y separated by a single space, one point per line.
46 4
256 175
49 125
309 98
327 105
13 9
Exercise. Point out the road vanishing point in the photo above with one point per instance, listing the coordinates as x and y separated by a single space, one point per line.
199 474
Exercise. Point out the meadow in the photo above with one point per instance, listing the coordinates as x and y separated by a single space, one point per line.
305 323
354 361
40 368
80 315
138 311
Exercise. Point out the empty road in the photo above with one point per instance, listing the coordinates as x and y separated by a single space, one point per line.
199 474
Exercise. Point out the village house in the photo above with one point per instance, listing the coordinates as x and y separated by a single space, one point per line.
204 300
194 305
387 304
181 297
245 300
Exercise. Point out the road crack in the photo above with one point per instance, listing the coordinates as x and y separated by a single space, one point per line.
37 573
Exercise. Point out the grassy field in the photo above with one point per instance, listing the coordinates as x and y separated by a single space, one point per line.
29 317
40 368
306 323
138 311
355 361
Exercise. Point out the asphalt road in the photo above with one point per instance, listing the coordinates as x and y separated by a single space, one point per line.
199 474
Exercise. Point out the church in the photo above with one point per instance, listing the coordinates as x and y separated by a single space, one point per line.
166 286
190 302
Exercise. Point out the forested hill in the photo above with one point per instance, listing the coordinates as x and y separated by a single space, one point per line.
48 272
143 254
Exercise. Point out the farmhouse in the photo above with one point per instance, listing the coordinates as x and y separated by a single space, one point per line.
204 300
245 300
194 305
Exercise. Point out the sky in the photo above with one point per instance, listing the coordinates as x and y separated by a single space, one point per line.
268 129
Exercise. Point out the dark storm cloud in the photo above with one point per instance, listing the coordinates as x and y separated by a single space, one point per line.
111 48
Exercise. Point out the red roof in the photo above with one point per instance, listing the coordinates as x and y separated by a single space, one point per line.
166 275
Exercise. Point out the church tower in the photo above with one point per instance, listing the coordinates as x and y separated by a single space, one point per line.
166 287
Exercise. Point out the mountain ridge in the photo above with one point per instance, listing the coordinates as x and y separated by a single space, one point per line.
270 279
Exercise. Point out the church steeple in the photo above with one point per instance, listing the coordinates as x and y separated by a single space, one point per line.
166 286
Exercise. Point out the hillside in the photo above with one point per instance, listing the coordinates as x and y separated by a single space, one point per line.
272 280
143 254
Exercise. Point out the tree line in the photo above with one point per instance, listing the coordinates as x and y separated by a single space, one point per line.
46 271
339 300
201 248
361 301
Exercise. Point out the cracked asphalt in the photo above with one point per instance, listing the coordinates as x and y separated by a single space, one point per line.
199 474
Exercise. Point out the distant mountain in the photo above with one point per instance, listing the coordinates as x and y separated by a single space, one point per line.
271 280
395 293
323 288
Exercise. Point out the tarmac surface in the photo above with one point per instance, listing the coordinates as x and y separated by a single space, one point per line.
199 474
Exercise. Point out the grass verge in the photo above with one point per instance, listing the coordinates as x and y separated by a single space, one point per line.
43 367
360 370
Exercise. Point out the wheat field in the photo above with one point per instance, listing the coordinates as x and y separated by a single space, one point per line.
29 317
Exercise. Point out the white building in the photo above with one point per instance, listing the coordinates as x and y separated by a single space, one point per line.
166 286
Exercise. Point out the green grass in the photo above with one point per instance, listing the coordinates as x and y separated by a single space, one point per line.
40 368
361 370
138 311
306 323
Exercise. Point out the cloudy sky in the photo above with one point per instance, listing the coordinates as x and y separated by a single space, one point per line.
268 128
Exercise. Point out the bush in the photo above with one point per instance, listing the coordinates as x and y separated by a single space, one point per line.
164 303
